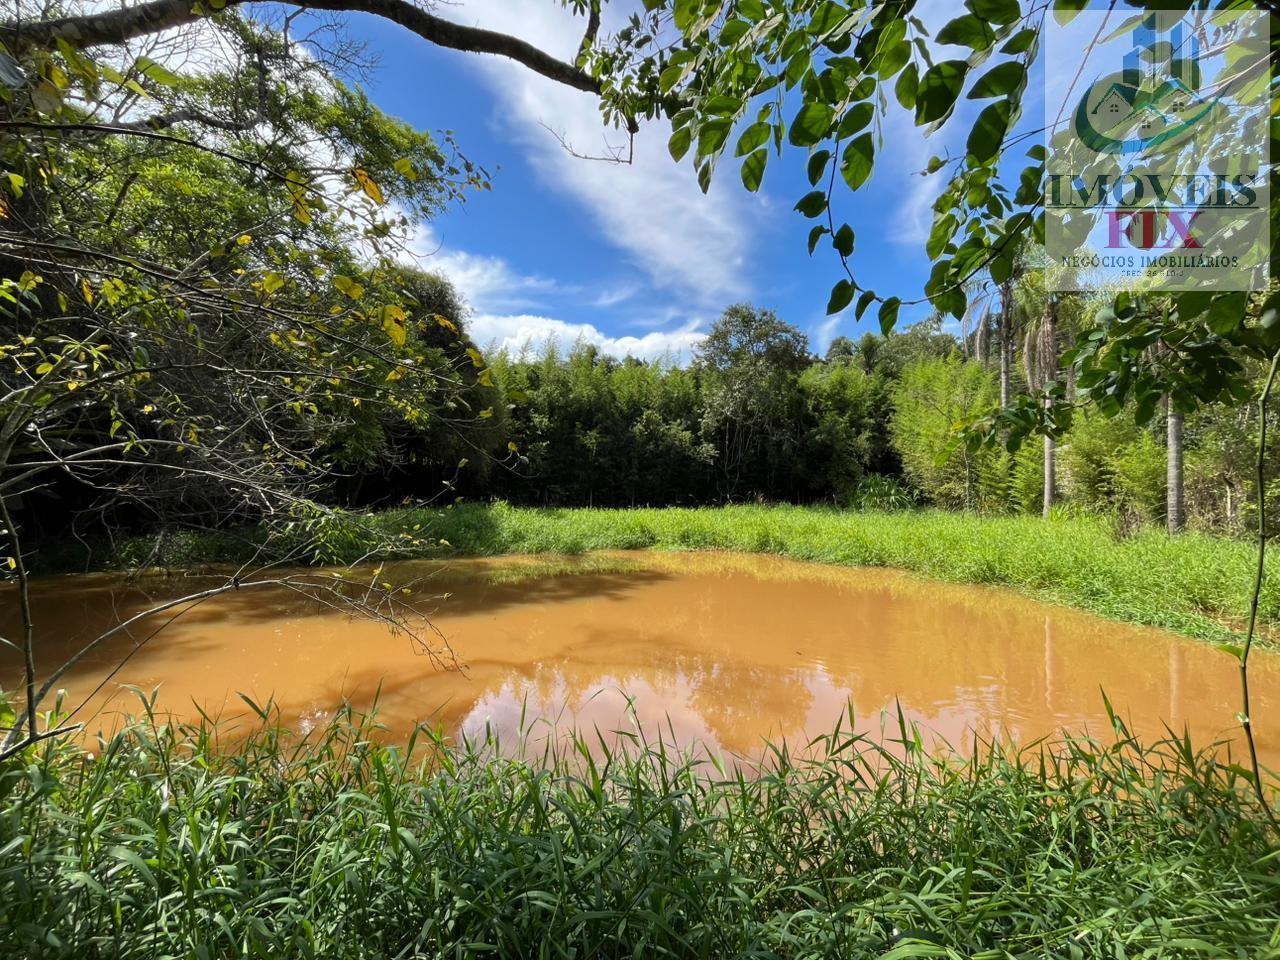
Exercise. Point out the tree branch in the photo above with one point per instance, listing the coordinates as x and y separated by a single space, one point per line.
120 25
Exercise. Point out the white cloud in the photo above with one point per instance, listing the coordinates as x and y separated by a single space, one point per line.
516 332
821 335
652 209
487 283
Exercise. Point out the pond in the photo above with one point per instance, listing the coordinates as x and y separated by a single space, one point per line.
719 649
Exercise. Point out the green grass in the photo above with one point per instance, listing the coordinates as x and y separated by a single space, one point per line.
165 845
1195 584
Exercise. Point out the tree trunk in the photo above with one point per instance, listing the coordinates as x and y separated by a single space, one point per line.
1006 342
1049 484
1174 505
1050 334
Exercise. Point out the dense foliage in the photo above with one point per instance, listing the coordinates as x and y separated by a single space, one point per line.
164 844
756 417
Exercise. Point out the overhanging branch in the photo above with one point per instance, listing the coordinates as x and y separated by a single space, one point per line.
123 24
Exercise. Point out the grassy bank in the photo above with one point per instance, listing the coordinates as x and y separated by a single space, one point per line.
1195 584
334 847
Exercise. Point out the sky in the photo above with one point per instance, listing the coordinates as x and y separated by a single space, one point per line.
635 258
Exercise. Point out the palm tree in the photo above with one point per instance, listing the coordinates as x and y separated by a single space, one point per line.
1175 512
1047 316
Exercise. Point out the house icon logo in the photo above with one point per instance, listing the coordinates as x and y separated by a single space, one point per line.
1157 98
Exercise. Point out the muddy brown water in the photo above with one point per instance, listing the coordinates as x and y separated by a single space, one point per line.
721 649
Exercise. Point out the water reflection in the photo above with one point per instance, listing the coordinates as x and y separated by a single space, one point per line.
721 648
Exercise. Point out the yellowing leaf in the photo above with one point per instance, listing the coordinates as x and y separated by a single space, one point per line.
58 77
350 287
244 239
86 288
486 413
446 323
297 187
393 322
477 360
46 97
368 185
405 169
271 282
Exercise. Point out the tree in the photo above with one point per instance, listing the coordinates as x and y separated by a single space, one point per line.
1174 509
932 398
750 360
204 318
841 348
845 414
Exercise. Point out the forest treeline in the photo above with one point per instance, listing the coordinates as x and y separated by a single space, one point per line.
756 416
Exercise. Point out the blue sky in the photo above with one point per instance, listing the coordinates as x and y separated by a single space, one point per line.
633 257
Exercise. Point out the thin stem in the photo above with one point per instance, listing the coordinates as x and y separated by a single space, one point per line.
1246 721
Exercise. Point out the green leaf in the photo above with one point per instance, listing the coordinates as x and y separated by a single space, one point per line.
1020 42
811 125
995 11
712 135
814 236
1226 312
843 240
1064 11
999 81
685 13
679 143
827 17
733 31
753 169
859 158
905 88
812 204
988 131
939 88
892 59
968 31
868 297
756 135
889 315
818 166
1002 266
156 72
944 228
855 119
841 296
